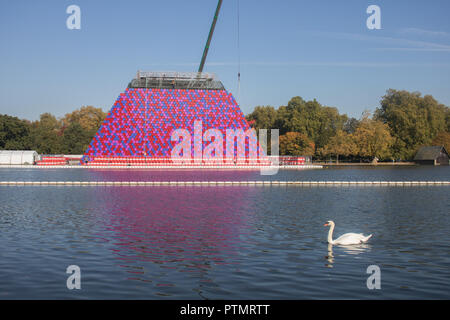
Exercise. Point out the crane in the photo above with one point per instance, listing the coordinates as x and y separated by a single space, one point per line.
208 42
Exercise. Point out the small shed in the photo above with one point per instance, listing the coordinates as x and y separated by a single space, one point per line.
433 155
17 157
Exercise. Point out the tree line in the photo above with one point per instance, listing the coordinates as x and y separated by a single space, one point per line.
402 123
71 134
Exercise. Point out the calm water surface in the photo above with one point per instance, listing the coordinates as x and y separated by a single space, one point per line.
218 242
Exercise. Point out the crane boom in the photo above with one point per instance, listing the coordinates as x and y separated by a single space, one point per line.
211 31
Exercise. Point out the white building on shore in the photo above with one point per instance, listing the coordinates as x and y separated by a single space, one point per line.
8 157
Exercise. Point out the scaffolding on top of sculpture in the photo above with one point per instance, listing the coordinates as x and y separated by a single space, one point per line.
176 80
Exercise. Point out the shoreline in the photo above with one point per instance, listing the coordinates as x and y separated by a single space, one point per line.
368 164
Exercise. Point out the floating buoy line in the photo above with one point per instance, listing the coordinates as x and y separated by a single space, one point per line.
228 183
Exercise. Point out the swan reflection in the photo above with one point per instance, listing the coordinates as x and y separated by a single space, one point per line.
330 257
354 249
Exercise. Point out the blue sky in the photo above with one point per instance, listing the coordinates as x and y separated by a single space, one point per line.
313 49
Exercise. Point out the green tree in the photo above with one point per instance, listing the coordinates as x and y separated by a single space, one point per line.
317 122
80 127
75 139
263 117
331 122
46 135
351 125
447 119
413 120
295 143
14 133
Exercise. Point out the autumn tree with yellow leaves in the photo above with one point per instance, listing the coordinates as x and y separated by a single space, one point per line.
342 144
372 139
295 143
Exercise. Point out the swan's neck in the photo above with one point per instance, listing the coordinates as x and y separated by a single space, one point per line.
330 234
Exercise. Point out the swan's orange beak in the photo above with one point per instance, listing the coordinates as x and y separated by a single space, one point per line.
325 225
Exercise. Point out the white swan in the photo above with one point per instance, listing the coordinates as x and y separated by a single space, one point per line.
345 239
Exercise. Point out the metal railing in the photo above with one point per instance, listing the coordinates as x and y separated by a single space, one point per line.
176 80
176 75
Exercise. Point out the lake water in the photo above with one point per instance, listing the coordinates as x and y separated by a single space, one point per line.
223 242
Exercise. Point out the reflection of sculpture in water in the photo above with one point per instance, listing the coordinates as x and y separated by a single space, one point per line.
159 234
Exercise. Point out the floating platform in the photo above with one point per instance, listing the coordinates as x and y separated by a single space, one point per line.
183 167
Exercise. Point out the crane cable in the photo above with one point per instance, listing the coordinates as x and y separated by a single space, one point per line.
239 54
